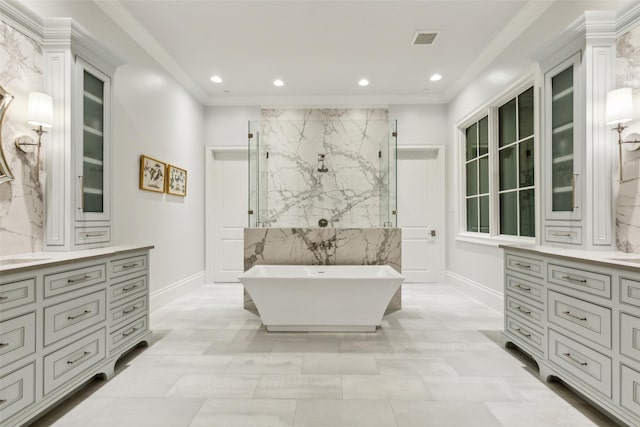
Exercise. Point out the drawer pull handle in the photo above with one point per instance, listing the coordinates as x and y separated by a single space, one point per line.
3 298
4 344
570 314
2 401
79 315
524 288
126 334
556 234
521 265
570 357
521 332
522 310
130 288
94 234
84 354
79 279
574 280
134 264
130 310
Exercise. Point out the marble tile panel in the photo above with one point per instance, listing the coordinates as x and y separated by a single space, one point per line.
384 387
444 414
215 386
299 387
344 413
245 413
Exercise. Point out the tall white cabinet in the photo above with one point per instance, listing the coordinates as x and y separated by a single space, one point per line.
577 148
78 74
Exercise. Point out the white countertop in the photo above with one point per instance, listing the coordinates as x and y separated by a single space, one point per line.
22 262
604 258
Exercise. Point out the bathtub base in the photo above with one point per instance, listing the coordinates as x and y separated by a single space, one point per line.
320 328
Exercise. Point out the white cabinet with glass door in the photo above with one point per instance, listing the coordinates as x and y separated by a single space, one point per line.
93 201
577 70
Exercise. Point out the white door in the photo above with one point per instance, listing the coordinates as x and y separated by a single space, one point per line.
421 208
230 205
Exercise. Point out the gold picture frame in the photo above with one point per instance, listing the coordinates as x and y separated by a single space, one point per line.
176 181
152 174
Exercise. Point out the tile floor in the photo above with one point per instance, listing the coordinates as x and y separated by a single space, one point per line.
435 363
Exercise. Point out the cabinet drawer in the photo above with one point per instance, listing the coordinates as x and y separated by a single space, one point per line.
15 294
128 332
583 318
88 235
630 390
69 317
67 363
131 287
525 311
581 280
524 288
630 291
17 391
530 266
17 338
560 234
585 364
55 284
523 333
630 336
128 310
128 265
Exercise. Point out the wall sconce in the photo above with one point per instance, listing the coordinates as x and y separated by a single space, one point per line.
619 110
40 114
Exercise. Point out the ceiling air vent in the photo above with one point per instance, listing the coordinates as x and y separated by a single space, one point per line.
424 38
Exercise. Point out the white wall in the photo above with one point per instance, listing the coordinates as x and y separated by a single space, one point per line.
152 115
420 124
228 125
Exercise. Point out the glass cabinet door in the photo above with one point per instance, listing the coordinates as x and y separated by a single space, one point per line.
93 149
563 151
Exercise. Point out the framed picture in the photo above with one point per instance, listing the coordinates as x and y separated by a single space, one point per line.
152 174
176 181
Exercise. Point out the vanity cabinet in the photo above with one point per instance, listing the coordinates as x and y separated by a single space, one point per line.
65 321
579 320
576 71
78 75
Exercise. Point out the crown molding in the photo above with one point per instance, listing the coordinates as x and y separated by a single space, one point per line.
123 18
628 20
325 101
531 11
23 19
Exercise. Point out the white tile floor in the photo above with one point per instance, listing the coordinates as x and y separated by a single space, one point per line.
435 363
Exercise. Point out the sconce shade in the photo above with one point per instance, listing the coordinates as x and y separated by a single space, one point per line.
40 110
619 106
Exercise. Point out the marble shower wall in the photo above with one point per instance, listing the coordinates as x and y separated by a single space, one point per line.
21 202
324 246
628 201
349 193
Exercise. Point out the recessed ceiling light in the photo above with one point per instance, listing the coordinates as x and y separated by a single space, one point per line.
435 77
216 79
278 83
364 82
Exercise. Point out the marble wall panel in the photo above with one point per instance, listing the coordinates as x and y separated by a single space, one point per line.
323 246
348 194
21 200
628 199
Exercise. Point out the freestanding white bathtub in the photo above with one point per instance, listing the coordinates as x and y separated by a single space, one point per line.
321 297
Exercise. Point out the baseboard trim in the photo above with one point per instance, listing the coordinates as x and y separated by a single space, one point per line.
482 293
163 296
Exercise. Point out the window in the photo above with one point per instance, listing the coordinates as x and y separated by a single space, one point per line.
509 195
477 167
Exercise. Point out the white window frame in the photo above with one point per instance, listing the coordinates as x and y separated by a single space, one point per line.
490 109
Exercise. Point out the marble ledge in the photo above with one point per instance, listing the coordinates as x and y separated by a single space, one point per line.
28 261
614 259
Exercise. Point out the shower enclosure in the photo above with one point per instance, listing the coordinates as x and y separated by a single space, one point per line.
322 168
